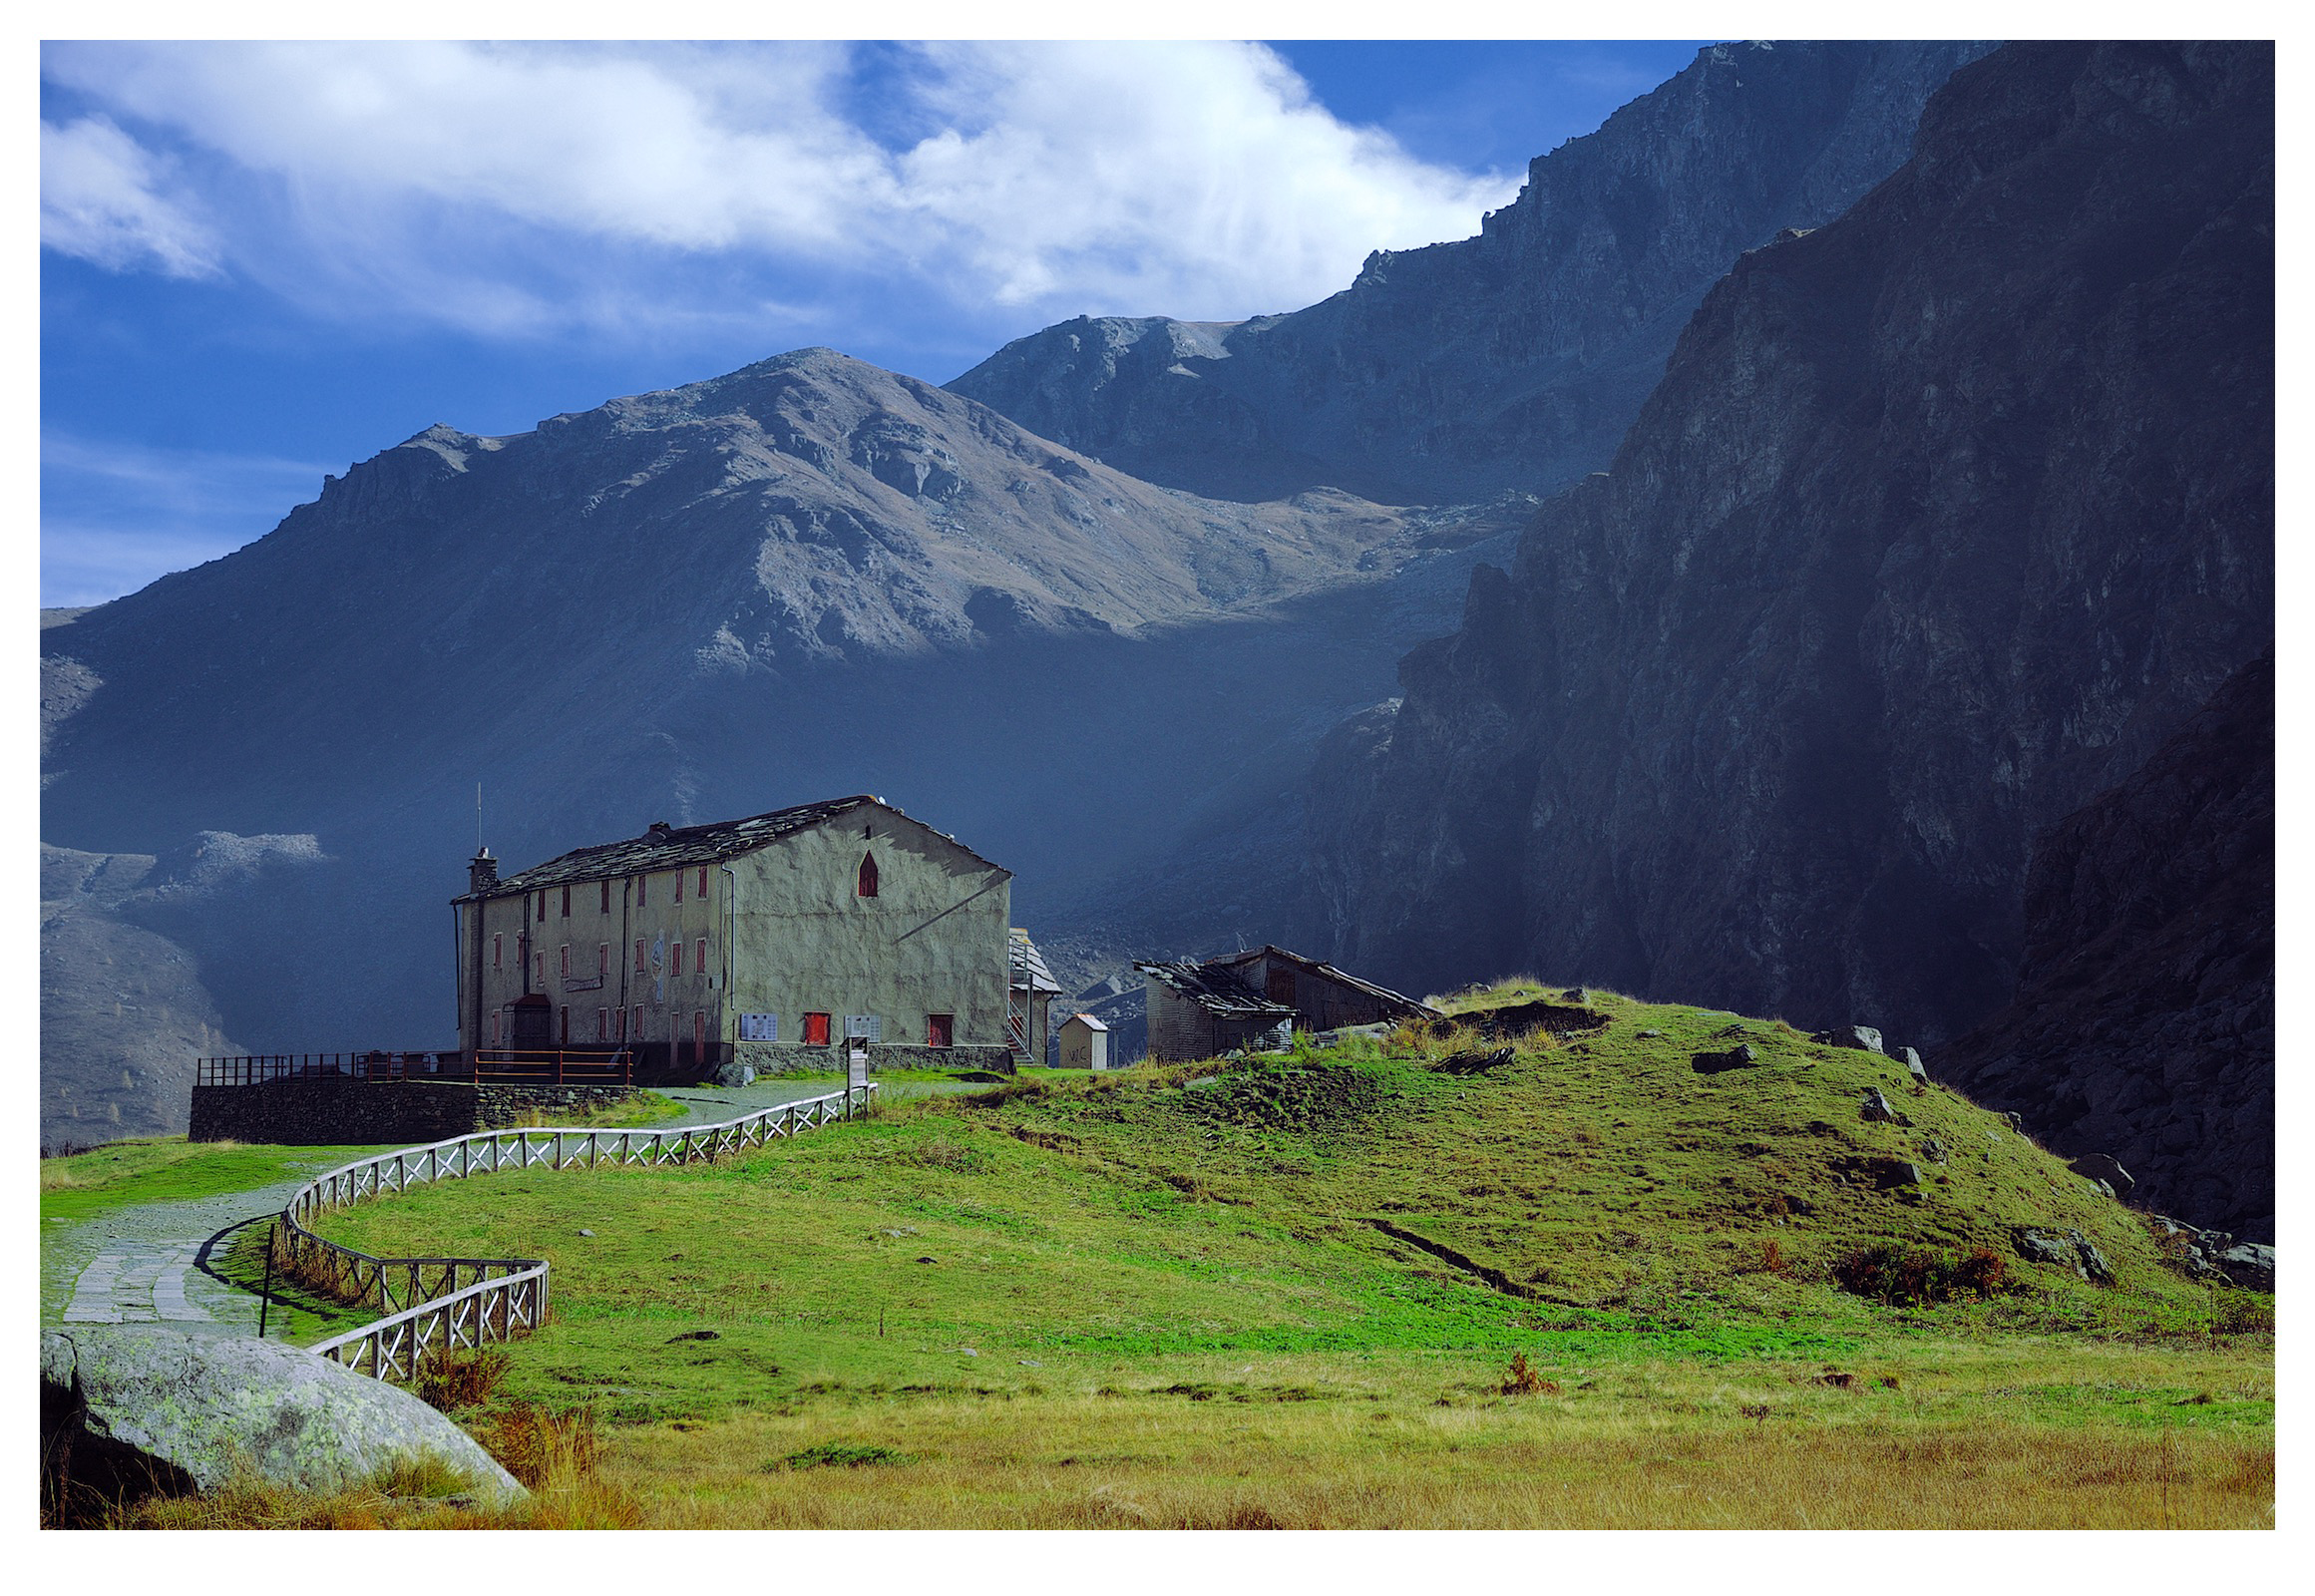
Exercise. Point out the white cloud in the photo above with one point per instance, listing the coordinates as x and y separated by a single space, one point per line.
99 202
526 186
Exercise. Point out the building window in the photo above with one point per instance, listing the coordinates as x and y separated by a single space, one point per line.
635 1032
603 1024
567 900
542 903
678 885
565 955
605 906
565 1014
868 874
497 949
939 1030
603 958
539 970
643 890
641 965
675 958
699 957
815 1030
702 882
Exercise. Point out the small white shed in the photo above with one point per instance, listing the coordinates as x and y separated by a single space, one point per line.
1084 1043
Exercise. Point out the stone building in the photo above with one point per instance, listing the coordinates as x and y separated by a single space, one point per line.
763 942
1204 1010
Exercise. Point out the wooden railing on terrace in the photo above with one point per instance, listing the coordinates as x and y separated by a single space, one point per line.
564 1066
427 1311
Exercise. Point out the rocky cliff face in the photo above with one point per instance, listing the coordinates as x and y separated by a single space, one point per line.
1943 516
810 577
1512 360
2144 1024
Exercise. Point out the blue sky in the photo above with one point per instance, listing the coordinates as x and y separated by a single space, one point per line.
263 263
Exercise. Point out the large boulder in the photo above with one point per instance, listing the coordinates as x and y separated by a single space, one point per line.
152 1408
1864 1037
2250 1265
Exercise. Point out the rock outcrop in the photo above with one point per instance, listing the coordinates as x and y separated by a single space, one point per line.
129 1409
2143 1026
1943 516
1515 359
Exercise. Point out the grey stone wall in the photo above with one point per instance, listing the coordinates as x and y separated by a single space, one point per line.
345 1111
793 1059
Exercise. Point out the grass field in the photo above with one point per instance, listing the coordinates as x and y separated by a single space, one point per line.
1291 1291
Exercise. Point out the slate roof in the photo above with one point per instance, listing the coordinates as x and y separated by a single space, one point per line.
1087 1020
1318 966
1211 988
673 846
1023 953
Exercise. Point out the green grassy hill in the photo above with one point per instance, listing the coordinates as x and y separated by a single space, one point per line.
976 1290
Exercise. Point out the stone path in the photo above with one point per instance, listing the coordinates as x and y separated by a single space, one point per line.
144 1283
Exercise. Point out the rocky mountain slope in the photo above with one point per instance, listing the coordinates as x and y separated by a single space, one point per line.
1512 360
2144 1024
1943 516
809 577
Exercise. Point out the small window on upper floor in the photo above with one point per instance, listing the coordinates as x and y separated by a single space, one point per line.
605 906
642 893
498 950
699 957
678 885
702 880
868 874
676 953
542 903
567 901
640 964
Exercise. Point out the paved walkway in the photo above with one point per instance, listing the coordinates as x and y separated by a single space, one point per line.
148 1262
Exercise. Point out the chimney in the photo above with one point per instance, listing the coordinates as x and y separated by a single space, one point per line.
482 871
661 831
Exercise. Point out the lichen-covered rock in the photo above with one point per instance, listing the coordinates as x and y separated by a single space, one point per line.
1861 1036
1913 1064
205 1409
1876 1107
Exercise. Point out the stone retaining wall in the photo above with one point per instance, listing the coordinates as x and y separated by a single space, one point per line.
348 1112
794 1058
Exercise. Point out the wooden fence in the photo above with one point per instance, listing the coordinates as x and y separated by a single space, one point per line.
426 1308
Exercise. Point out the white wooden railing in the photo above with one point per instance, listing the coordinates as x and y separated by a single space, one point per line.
426 1306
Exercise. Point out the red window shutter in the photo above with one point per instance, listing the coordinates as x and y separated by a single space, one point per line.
605 906
640 967
678 885
702 880
816 1031
643 883
542 903
699 957
603 958
675 959
497 949
567 901
565 955
939 1030
868 882
603 1024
